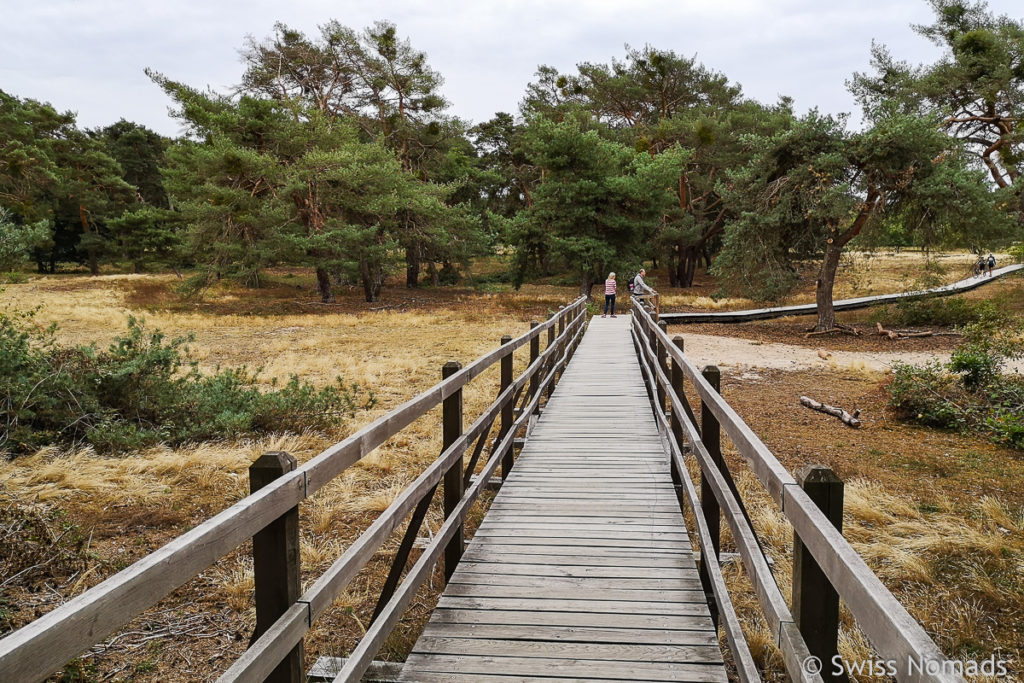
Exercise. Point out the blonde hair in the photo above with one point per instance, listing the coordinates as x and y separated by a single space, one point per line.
611 276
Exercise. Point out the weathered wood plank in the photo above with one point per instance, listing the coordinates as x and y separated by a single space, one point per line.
571 594
668 622
572 571
581 634
557 668
582 582
583 567
629 652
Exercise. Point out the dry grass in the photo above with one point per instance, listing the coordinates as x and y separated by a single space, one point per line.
860 274
128 506
960 576
958 567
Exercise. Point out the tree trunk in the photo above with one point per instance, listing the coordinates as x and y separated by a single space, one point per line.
435 278
94 266
371 277
323 285
412 266
673 269
824 286
689 257
587 286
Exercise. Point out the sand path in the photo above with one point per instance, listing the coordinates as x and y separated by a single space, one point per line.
735 354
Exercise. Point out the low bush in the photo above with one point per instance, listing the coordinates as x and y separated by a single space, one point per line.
142 390
953 311
970 392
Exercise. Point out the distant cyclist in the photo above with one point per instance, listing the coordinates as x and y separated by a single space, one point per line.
991 263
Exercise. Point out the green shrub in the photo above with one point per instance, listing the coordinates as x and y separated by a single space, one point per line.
144 389
970 391
953 311
924 394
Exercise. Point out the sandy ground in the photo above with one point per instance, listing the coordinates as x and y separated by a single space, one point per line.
732 354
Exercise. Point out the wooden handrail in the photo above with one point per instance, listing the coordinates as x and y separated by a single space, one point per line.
773 604
890 629
746 668
38 649
265 653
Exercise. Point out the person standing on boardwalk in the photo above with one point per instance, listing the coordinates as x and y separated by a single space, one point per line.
643 291
610 286
991 263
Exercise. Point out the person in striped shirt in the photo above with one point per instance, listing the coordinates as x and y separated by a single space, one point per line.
609 295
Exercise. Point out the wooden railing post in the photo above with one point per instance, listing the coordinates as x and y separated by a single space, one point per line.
276 564
677 386
508 410
660 352
534 353
451 416
552 361
711 435
815 601
564 344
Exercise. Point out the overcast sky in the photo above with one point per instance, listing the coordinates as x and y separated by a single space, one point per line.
88 56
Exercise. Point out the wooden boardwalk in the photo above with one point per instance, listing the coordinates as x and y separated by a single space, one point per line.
960 287
582 568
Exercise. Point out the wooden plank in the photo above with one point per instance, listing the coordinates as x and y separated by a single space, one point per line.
573 571
598 606
571 593
604 533
530 555
585 583
594 670
582 634
669 622
583 564
628 652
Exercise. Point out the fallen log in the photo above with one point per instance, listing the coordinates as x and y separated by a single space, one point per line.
847 418
901 334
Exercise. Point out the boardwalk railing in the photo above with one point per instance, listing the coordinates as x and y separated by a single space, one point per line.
892 631
270 516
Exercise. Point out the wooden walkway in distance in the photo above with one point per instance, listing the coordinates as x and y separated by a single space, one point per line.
582 568
960 287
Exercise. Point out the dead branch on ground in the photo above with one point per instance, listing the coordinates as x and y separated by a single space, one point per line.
847 418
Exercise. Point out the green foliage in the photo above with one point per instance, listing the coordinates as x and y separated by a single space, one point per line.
143 389
972 89
953 311
597 202
970 392
73 181
810 190
18 241
989 342
375 81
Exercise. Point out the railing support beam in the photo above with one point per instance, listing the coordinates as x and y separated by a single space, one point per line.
276 564
711 435
815 601
659 348
534 354
508 410
451 428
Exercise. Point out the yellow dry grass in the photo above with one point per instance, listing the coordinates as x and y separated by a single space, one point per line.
953 572
861 273
943 565
394 354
